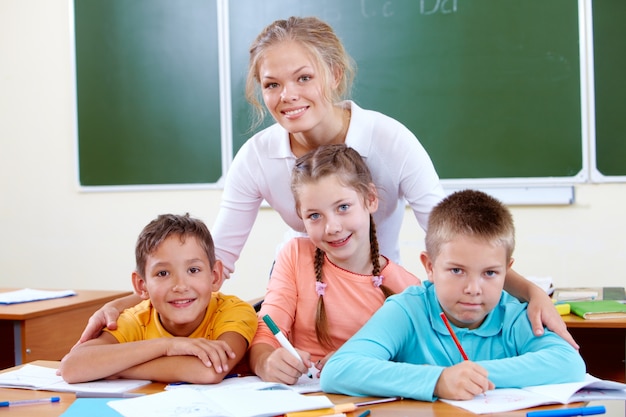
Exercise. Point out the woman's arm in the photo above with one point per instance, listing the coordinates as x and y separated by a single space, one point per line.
540 307
107 316
239 208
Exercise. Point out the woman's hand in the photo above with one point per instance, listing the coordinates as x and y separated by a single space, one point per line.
541 312
106 316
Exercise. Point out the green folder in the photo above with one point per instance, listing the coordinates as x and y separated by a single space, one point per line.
598 309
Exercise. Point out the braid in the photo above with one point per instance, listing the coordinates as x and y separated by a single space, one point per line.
321 322
375 252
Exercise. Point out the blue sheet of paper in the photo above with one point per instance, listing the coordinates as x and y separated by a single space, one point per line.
92 407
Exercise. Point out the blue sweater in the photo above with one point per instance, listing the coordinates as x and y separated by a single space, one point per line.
404 347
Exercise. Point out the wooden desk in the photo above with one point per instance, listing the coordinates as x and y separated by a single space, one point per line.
47 329
602 345
393 409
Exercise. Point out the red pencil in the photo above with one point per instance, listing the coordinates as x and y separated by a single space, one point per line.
458 344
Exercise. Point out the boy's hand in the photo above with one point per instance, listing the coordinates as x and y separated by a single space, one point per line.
215 353
462 381
281 366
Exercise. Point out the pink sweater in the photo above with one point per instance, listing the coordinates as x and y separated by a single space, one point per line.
350 299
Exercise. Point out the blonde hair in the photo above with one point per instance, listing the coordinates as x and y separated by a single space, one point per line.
319 40
470 213
347 165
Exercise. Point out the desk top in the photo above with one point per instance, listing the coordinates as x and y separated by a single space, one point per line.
392 409
574 321
24 311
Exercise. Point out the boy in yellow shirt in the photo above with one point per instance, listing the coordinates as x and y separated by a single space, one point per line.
182 331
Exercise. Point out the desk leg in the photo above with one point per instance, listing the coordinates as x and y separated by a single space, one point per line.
7 352
18 339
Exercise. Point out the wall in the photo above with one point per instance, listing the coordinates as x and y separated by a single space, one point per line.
57 237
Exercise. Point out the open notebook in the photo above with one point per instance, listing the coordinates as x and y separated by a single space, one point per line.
509 399
42 378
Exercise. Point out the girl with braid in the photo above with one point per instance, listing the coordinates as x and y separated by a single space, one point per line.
325 286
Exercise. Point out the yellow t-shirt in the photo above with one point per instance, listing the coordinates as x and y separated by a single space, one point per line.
225 313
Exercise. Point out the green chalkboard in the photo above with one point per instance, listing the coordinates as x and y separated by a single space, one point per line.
491 88
609 48
147 92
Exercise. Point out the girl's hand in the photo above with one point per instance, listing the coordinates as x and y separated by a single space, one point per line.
281 366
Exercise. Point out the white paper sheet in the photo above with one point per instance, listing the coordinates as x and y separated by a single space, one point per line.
185 402
42 378
304 385
27 295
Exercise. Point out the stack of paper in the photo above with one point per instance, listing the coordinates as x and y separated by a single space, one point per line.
589 293
576 294
545 283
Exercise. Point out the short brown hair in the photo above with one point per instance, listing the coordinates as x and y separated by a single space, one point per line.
470 213
166 225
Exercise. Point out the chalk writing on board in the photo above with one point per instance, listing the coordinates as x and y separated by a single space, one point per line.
428 7
371 8
386 10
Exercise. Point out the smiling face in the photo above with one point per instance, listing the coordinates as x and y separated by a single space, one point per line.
468 274
337 220
178 281
293 88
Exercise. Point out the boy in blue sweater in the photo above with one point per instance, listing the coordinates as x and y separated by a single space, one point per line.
406 350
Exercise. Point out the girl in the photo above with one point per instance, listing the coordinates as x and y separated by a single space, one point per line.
324 287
